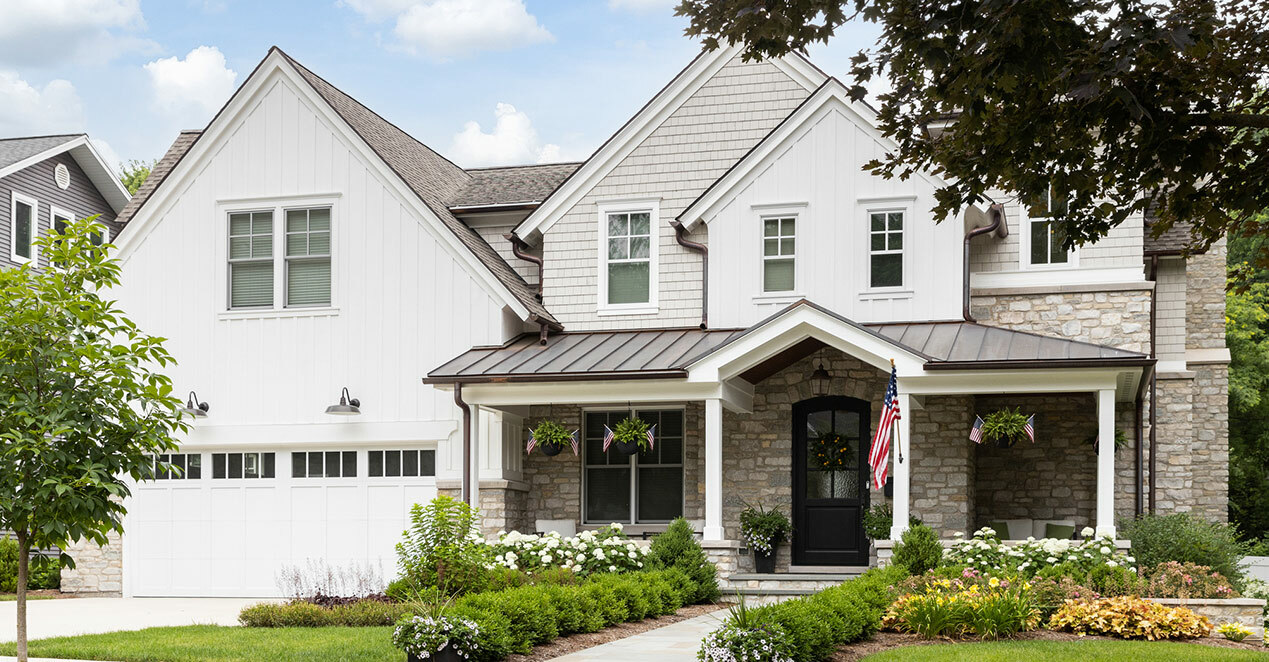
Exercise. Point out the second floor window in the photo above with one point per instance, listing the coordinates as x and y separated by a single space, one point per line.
304 259
308 257
251 259
778 254
22 229
629 257
1047 237
885 248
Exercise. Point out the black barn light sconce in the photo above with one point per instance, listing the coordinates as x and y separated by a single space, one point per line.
194 407
348 406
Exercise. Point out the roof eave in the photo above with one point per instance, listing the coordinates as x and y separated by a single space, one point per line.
555 377
1031 364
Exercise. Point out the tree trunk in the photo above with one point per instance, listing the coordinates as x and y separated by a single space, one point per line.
24 563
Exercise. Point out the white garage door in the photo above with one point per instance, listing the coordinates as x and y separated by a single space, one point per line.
235 520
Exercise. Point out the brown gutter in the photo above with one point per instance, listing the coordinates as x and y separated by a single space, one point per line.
458 400
680 235
558 377
997 214
1154 380
518 247
1138 460
1129 362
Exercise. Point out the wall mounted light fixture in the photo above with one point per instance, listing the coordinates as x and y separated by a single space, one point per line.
348 406
194 407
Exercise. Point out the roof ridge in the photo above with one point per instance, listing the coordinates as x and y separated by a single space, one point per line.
526 165
48 135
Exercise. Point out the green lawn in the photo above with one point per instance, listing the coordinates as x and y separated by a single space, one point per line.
11 597
196 643
1040 651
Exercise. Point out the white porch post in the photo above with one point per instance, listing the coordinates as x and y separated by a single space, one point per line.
901 507
713 469
1106 462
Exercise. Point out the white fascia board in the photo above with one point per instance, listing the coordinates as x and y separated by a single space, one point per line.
830 97
791 328
641 391
1056 277
46 154
622 143
975 382
801 70
347 433
102 175
275 65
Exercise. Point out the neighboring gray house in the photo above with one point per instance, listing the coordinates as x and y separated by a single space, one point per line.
45 180
721 266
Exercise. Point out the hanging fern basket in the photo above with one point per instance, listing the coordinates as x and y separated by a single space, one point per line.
632 435
551 438
1005 427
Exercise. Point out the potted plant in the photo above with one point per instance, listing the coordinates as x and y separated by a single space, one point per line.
632 435
435 636
763 531
1121 441
550 436
1005 427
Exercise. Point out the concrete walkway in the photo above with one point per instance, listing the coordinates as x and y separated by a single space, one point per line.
672 643
71 616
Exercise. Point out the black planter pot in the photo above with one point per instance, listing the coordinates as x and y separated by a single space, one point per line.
764 563
626 448
1005 443
447 655
551 450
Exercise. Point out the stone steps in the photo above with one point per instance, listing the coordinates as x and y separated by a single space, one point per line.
786 583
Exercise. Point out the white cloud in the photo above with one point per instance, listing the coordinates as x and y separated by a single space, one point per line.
26 110
513 141
443 29
643 5
193 88
51 32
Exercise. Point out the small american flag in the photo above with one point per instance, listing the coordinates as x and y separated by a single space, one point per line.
1029 428
573 439
878 455
533 443
652 441
976 432
608 437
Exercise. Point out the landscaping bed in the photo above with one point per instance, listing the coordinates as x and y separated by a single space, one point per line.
890 641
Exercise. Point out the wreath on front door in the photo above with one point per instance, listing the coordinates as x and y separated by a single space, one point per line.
830 450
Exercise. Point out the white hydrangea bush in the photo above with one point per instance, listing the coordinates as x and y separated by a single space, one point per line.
587 553
985 552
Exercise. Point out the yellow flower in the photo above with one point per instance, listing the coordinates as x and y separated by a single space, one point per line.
994 581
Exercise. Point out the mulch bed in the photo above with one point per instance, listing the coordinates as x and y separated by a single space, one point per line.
577 642
883 641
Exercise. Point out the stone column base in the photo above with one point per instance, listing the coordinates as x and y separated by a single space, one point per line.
98 569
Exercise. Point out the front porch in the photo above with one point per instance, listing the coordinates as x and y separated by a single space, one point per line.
728 437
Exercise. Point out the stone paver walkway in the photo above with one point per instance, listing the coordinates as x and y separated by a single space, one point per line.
672 643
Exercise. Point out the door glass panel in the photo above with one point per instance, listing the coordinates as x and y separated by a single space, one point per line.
832 455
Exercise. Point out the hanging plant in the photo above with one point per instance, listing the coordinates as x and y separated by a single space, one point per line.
1121 441
830 450
632 435
551 437
1005 427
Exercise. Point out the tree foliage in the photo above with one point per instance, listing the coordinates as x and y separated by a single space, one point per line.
1247 335
84 408
1118 105
134 174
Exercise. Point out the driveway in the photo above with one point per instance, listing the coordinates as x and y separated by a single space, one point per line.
70 616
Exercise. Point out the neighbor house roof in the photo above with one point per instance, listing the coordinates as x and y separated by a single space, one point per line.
16 150
19 153
512 185
670 352
158 173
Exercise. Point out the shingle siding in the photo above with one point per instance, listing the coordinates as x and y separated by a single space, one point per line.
81 199
1170 286
704 137
1121 248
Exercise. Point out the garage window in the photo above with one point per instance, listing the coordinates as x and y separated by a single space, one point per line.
324 464
242 465
178 466
402 463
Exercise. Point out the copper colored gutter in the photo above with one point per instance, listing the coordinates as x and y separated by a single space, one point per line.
458 400
1154 380
518 249
997 214
680 235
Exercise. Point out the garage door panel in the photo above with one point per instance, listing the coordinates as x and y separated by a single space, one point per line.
385 501
347 540
308 540
263 503
345 503
417 494
308 503
155 503
227 504
154 540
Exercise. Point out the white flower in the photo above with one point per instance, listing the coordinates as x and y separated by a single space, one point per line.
1105 550
616 526
546 558
612 568
1112 564
1086 532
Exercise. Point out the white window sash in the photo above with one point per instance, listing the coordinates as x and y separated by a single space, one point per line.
653 209
780 255
632 465
886 232
278 206
14 199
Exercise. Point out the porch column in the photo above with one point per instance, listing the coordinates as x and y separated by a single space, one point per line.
901 508
1106 462
713 469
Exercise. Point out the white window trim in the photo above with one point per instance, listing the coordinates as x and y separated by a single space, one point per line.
634 494
763 257
1024 245
278 206
14 199
872 206
54 212
653 207
760 212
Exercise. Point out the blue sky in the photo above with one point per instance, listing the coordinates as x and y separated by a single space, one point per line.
483 81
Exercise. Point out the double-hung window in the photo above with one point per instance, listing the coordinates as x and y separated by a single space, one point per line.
23 212
296 275
1046 237
308 257
251 259
778 272
628 258
643 488
62 219
885 248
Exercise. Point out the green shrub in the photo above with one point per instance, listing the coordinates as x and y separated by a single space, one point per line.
879 518
1186 580
918 550
45 573
1113 581
677 548
365 613
442 548
1185 538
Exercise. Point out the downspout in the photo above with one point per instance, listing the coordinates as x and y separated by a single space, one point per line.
680 235
997 213
1154 378
458 400
518 247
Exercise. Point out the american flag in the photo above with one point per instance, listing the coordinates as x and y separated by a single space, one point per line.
573 438
533 443
608 437
878 455
1029 428
652 437
976 432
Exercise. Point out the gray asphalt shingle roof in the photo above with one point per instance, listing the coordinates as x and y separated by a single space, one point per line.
527 184
1173 240
158 173
14 150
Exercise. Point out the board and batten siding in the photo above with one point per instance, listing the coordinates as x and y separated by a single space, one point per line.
81 198
818 176
695 145
401 303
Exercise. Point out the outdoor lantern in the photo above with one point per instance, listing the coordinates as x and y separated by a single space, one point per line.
821 380
348 406
195 408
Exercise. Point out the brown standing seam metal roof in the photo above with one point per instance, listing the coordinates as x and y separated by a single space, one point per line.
511 185
158 173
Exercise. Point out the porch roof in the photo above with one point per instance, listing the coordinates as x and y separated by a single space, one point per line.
668 353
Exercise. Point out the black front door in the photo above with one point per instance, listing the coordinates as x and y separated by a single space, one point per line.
830 481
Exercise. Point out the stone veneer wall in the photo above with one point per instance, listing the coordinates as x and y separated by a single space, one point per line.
98 570
1119 318
943 470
